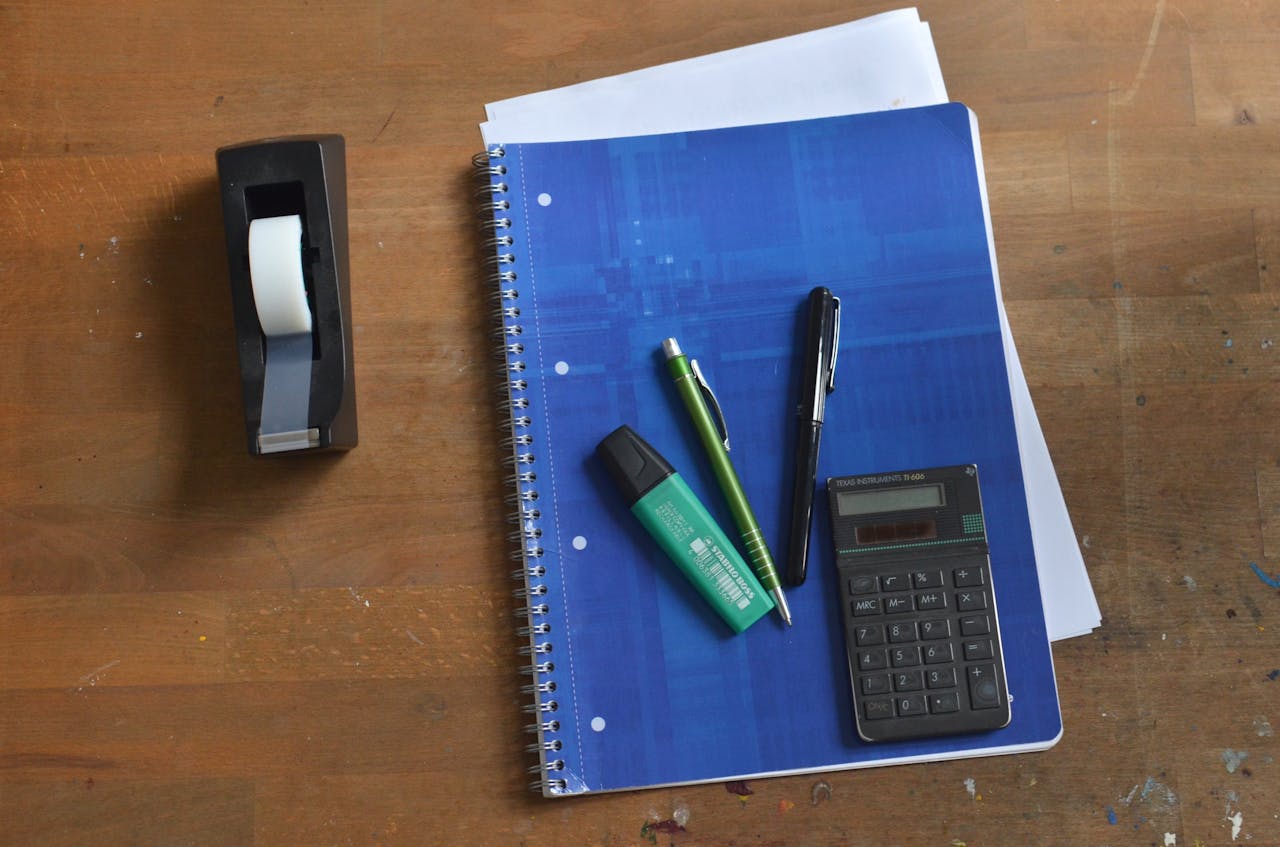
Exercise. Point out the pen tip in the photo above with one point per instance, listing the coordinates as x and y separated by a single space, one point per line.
783 609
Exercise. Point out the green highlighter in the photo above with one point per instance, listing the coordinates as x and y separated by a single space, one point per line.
683 527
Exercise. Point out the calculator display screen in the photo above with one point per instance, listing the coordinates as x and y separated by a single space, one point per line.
855 503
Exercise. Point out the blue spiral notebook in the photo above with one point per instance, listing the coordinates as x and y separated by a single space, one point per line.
601 249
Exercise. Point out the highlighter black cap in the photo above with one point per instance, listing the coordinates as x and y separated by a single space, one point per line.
634 465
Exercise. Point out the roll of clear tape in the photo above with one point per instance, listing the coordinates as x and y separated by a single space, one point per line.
280 297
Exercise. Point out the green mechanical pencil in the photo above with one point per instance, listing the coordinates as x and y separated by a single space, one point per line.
693 390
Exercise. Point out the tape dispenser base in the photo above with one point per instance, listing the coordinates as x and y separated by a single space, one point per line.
284 206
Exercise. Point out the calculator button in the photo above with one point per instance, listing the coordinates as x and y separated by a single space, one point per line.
900 633
974 650
984 688
863 585
936 654
968 601
897 604
975 625
871 660
877 709
895 582
927 579
877 684
930 630
941 678
867 636
968 577
908 681
931 601
905 657
940 704
910 705
866 606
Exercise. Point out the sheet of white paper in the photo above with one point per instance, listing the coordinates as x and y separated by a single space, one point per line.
1070 607
887 61
895 66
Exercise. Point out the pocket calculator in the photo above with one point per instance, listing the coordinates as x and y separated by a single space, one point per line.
918 602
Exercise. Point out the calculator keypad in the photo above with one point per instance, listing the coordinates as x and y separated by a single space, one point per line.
924 649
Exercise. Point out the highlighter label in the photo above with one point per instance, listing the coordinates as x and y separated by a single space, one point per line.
704 554
674 521
712 561
707 556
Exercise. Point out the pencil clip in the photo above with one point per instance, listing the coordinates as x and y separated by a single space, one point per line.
711 398
835 344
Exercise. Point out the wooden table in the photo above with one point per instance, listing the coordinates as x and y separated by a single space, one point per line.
197 647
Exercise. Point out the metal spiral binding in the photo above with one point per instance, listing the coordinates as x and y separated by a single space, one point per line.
501 245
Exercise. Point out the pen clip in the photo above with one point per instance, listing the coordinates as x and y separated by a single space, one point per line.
835 343
710 395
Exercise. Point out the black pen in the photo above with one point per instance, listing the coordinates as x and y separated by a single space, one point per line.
822 341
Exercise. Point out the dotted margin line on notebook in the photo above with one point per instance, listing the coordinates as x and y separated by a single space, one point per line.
551 467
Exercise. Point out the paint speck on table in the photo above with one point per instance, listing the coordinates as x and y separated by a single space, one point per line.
1153 797
785 806
1267 579
1111 816
1237 823
821 791
652 829
972 788
1232 759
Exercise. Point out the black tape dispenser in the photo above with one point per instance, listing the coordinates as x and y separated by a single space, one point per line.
284 207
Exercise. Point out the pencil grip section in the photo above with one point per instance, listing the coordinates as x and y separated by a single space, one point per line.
503 293
753 543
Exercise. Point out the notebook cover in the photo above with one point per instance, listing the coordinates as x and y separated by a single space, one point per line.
716 237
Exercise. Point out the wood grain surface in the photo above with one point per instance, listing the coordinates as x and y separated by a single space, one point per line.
200 648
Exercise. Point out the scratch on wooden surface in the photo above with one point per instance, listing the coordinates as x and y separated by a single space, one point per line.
93 676
385 124
1141 74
